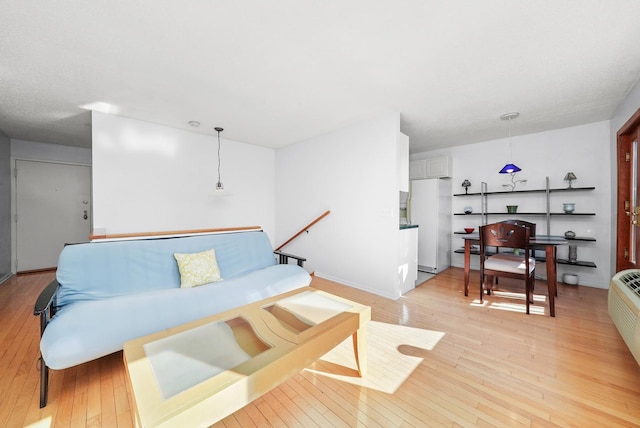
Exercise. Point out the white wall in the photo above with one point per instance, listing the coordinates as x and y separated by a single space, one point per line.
33 150
353 172
585 150
5 207
148 177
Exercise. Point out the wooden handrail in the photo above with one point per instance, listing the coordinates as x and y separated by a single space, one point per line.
304 229
172 232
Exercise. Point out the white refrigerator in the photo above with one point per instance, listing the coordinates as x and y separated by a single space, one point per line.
430 208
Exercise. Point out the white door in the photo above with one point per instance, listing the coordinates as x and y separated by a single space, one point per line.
53 207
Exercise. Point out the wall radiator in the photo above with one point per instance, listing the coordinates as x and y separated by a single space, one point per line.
624 307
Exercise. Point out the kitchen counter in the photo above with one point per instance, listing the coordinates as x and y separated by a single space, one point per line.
408 226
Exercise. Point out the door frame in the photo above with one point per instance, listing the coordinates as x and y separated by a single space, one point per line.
14 201
623 227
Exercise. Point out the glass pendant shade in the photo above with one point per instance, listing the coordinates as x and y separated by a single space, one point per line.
509 169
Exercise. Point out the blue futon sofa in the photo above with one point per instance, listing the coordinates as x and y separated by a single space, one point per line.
107 293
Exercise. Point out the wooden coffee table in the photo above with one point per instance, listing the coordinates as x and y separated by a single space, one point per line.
200 372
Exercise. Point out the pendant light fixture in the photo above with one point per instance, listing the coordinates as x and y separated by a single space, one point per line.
219 186
511 168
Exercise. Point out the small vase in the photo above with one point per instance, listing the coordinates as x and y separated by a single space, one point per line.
569 208
512 209
573 253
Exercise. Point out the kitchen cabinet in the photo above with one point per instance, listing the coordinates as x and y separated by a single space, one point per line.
417 170
430 168
439 167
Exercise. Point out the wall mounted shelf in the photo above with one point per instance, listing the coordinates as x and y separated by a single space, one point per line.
517 214
476 252
547 214
502 192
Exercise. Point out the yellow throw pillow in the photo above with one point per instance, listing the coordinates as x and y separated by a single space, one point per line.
197 268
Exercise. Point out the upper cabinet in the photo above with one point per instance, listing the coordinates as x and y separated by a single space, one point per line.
430 168
403 162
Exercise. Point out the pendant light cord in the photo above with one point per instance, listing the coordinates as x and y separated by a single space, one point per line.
218 156
508 117
510 143
219 183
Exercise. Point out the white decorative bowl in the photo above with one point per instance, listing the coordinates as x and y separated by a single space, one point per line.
570 278
569 207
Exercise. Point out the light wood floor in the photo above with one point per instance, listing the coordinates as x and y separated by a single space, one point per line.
436 358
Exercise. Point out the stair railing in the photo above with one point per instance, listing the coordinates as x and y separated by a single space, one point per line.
304 229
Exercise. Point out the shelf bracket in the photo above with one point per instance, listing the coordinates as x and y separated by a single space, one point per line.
548 208
483 203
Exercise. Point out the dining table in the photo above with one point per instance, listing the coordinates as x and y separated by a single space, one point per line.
549 242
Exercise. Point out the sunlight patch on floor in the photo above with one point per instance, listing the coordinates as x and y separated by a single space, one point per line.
393 353
42 423
512 307
517 307
518 296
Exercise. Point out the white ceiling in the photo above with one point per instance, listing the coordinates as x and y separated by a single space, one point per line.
274 73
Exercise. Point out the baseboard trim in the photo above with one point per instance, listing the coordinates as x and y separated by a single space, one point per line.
5 277
356 285
29 272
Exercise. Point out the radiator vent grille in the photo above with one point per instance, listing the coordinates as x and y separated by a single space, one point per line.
632 280
624 318
624 307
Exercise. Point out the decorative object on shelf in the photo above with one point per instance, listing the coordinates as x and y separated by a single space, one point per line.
570 177
512 209
219 187
570 278
569 207
510 168
514 182
573 253
469 229
569 234
467 210
466 184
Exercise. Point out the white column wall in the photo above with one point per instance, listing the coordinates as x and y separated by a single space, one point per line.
352 172
584 150
148 177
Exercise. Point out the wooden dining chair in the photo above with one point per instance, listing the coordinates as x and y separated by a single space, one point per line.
532 234
519 266
518 222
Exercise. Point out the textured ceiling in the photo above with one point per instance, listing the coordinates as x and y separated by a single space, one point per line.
278 72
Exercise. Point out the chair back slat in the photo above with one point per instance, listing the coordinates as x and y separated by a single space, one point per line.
518 222
504 235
